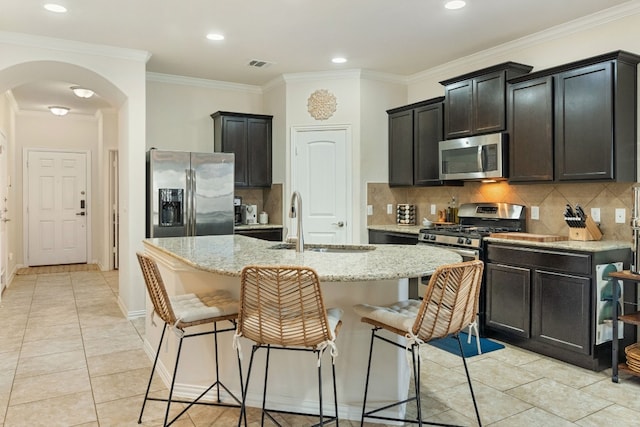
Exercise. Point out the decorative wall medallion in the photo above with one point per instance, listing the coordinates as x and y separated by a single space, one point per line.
321 104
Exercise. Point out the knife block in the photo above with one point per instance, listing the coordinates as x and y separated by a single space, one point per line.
589 232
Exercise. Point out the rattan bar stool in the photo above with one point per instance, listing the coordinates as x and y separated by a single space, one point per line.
281 308
449 305
179 313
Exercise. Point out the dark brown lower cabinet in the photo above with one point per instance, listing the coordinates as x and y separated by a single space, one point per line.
272 234
391 238
544 300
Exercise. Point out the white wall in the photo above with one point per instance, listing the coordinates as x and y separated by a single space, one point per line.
616 29
179 110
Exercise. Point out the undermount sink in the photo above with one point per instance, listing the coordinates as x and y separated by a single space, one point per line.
326 248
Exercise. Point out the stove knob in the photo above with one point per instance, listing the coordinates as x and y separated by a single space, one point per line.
468 241
460 240
432 237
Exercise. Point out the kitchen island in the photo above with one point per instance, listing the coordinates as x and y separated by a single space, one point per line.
373 274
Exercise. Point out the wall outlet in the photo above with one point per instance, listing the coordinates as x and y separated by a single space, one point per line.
620 215
535 212
433 208
595 214
389 208
369 209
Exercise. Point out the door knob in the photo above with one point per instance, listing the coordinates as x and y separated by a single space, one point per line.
81 213
339 223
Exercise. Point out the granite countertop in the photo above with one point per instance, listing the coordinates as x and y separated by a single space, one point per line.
406 229
571 245
257 226
227 255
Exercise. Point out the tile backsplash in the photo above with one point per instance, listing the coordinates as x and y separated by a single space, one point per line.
266 199
550 198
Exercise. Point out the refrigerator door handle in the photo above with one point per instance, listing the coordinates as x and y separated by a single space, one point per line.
193 202
188 201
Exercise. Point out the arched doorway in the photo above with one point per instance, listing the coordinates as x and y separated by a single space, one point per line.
121 80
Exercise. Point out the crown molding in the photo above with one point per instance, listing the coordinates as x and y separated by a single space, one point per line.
314 76
30 40
585 23
202 83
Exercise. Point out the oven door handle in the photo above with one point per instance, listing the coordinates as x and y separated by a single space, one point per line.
468 253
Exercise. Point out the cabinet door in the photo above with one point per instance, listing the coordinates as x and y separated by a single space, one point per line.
508 297
401 148
489 103
389 238
427 134
234 140
530 106
259 152
584 123
458 109
560 310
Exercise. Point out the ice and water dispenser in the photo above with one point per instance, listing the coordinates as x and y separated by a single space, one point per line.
171 207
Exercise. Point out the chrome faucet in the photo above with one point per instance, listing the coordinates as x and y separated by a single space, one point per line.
297 213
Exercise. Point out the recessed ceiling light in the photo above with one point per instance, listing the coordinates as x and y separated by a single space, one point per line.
57 8
215 36
339 60
81 92
59 111
455 4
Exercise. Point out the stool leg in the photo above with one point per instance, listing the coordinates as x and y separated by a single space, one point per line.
215 349
416 380
335 392
366 383
264 390
243 407
466 370
153 369
320 390
173 381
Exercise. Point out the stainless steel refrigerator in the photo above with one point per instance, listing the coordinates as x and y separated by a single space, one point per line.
189 194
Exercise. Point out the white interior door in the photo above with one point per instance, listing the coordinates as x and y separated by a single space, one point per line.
57 208
320 175
4 213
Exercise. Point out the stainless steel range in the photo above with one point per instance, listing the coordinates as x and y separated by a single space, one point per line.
477 220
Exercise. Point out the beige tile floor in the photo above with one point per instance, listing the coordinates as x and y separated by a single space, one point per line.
68 357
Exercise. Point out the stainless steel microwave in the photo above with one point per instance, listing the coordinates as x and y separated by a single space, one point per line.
474 158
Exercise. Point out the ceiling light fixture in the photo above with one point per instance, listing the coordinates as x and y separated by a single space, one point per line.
455 4
339 60
59 111
57 8
215 37
81 92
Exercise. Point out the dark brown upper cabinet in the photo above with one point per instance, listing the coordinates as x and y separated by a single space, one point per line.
414 133
248 136
530 125
575 122
475 103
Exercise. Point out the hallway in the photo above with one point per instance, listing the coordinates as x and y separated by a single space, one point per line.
68 357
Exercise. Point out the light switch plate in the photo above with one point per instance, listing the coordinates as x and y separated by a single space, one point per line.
535 212
389 208
595 214
369 209
620 215
433 208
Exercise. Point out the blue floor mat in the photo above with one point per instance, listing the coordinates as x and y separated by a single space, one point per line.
450 344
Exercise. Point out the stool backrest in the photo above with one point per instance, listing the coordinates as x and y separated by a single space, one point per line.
282 305
155 287
450 301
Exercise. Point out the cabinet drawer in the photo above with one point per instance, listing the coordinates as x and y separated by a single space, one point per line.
567 262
